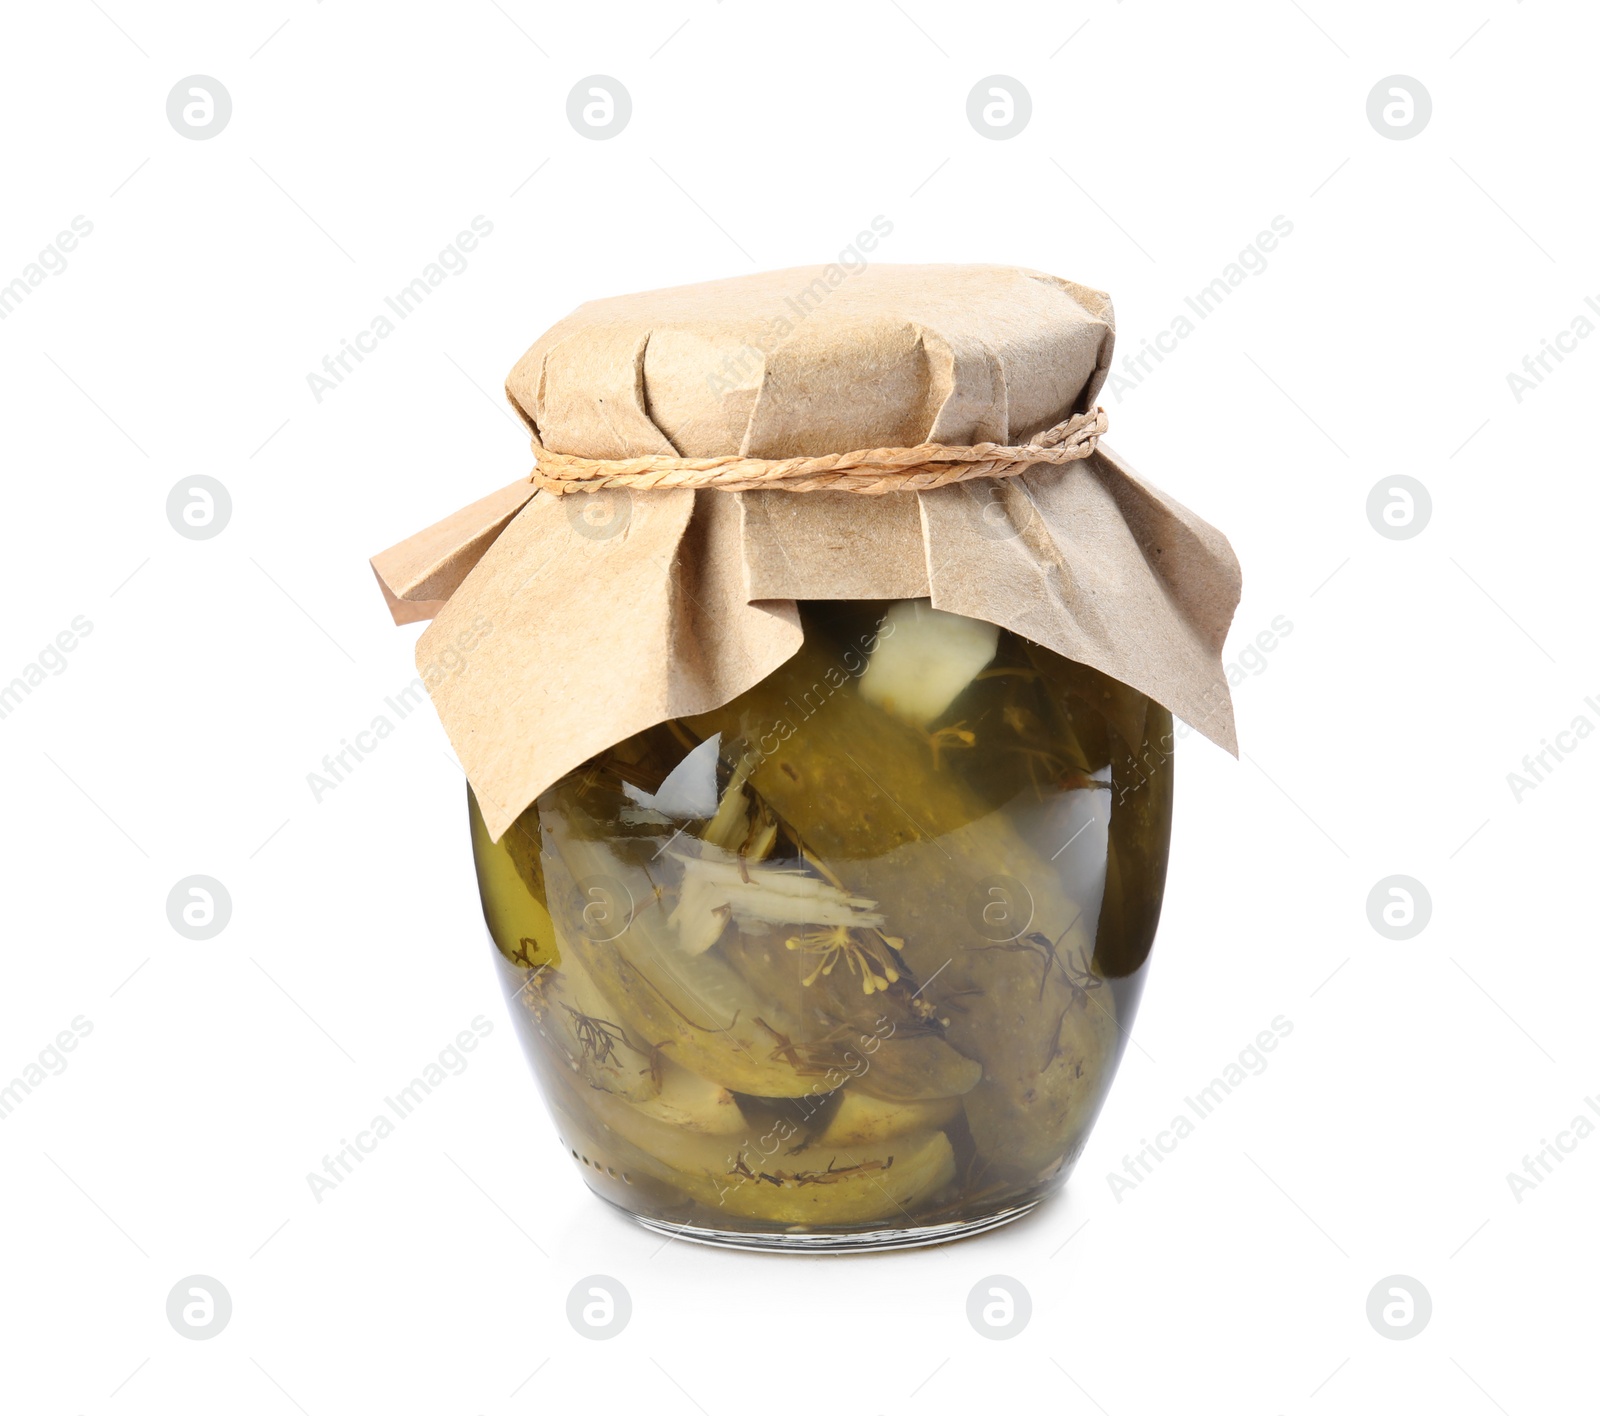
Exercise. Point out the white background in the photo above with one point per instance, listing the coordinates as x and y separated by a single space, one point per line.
218 673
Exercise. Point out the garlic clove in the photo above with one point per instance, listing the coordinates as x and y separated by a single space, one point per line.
924 658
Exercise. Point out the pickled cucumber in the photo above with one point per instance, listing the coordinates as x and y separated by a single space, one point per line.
856 949
765 1178
693 1007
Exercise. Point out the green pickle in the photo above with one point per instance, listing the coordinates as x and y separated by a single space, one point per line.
852 958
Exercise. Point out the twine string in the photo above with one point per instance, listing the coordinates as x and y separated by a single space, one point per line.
871 471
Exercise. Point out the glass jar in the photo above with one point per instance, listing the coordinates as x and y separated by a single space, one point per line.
850 961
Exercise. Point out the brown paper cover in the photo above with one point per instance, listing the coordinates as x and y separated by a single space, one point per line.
568 623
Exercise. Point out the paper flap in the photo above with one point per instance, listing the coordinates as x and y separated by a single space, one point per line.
570 635
419 574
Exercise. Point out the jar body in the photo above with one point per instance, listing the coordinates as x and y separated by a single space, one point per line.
849 962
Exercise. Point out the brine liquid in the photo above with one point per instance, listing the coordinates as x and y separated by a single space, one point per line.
842 956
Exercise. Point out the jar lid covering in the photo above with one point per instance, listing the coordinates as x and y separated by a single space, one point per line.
567 623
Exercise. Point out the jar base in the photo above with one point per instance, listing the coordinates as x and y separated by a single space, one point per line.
802 1241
